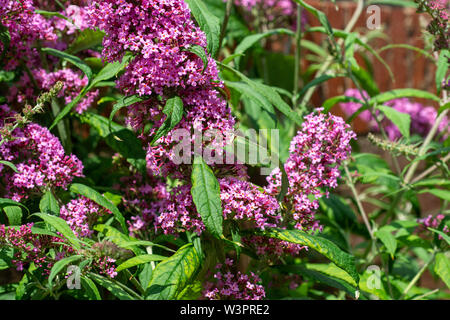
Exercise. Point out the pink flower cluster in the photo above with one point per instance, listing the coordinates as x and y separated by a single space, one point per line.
432 222
160 34
233 286
316 153
78 19
29 247
422 117
73 83
29 31
173 211
25 28
40 160
271 247
80 214
106 266
241 200
285 7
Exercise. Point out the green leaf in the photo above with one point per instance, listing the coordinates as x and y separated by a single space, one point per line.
123 102
200 52
90 288
121 139
61 226
332 270
72 59
120 239
49 204
95 196
326 274
329 103
269 93
109 71
401 120
319 15
61 264
174 112
208 22
388 239
402 93
206 196
14 214
9 164
365 80
443 194
130 244
87 39
323 246
315 82
140 260
442 268
442 234
4 202
442 68
172 275
51 14
251 40
248 92
116 288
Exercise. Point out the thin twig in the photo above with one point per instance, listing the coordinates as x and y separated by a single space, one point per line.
418 275
358 202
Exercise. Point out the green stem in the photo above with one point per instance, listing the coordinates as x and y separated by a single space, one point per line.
418 275
297 61
358 202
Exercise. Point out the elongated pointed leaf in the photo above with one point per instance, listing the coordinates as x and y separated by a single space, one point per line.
269 93
109 71
199 51
325 247
145 258
72 59
172 275
440 193
121 103
9 164
174 112
49 204
59 266
4 202
402 93
90 288
251 40
14 214
117 289
442 268
208 22
61 226
206 196
442 68
121 139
